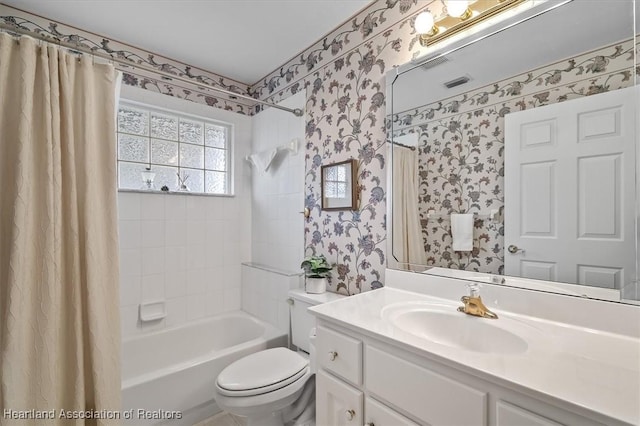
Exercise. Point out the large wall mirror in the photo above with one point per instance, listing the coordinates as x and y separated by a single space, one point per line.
530 130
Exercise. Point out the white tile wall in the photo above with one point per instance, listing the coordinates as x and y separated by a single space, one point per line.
278 194
265 294
185 249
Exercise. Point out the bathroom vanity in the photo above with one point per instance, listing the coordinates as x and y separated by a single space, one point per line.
397 357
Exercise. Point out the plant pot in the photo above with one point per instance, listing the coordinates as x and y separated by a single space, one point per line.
316 285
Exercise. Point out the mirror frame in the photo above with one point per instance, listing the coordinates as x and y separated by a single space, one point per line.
351 202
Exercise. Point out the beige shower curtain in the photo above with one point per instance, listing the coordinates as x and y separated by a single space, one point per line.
59 322
408 246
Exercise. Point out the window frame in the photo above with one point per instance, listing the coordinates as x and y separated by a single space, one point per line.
150 108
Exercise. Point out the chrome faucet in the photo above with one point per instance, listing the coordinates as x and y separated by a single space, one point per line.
473 303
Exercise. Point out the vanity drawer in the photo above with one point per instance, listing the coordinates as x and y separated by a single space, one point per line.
436 399
380 415
339 354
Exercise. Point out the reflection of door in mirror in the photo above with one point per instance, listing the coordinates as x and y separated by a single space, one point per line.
569 193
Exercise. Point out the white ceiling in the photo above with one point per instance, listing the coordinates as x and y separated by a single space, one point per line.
242 39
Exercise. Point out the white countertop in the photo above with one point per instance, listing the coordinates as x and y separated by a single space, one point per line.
592 369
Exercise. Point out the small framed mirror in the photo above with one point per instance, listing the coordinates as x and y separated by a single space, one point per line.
338 186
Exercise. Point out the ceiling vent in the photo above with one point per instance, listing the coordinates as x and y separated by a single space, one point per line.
457 81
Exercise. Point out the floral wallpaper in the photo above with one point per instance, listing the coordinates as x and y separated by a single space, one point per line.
461 149
343 76
150 81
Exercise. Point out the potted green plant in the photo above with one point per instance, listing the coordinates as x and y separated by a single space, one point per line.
316 270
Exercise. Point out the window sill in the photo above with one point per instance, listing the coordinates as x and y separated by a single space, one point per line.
154 191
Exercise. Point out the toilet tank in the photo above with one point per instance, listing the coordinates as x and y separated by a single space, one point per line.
301 320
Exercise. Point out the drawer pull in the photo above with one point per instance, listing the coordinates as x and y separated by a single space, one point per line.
350 414
333 355
369 424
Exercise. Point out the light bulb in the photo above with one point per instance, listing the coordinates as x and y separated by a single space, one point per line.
457 8
424 23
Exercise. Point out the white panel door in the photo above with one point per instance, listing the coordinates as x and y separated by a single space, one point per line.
569 191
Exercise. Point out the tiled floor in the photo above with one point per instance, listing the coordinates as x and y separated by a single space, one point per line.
223 419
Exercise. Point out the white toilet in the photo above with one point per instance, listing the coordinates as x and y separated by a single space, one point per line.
276 386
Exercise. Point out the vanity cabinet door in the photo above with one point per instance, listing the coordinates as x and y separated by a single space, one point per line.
337 404
377 414
510 415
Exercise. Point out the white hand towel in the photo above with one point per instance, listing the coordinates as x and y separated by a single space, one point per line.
262 160
462 232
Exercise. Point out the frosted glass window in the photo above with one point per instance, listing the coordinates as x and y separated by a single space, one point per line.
166 176
130 175
215 136
215 159
191 156
172 145
133 121
164 152
195 179
164 127
216 182
191 132
133 148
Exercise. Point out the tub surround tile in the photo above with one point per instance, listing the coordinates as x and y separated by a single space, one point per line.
214 302
175 284
196 208
175 258
153 288
152 206
130 262
176 209
130 290
196 232
129 324
195 307
152 260
128 206
152 233
129 232
176 311
196 282
232 299
175 232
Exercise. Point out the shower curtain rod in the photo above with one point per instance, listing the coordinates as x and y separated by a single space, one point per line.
412 148
79 48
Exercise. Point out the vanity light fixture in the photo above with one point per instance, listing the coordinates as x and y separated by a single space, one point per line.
461 14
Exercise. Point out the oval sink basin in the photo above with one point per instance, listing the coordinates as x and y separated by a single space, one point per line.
458 330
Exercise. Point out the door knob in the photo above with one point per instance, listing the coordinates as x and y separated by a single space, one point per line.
333 355
514 249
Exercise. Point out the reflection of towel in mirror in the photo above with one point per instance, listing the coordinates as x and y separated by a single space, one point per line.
462 232
262 160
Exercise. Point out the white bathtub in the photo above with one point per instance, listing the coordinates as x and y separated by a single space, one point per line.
175 369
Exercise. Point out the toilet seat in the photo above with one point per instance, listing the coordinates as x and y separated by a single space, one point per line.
262 372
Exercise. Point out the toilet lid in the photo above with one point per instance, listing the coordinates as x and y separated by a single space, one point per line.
264 369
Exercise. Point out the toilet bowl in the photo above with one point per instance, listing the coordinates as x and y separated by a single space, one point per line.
276 387
271 387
